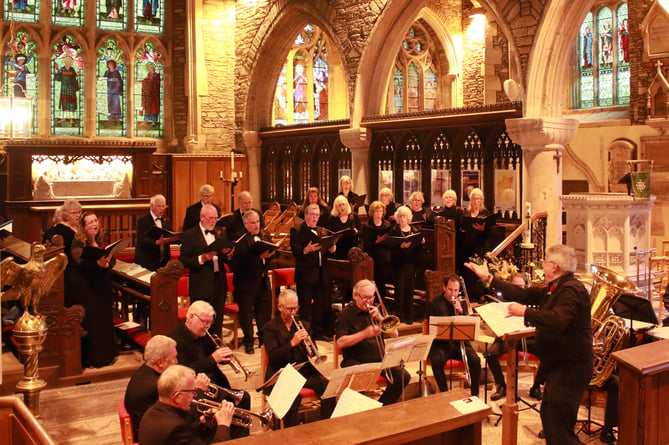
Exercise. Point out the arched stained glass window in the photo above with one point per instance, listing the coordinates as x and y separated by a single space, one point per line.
67 93
149 92
68 12
23 10
603 77
308 97
110 95
149 16
415 85
25 62
112 14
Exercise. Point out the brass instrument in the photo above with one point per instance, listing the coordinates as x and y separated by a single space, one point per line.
609 332
309 345
389 322
213 391
466 295
234 362
240 417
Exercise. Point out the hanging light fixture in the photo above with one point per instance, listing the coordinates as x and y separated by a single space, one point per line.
15 107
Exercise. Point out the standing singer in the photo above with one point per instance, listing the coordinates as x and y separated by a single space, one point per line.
563 337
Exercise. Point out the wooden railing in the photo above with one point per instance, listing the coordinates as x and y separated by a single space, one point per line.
511 245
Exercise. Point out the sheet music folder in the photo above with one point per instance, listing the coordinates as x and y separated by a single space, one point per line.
455 328
361 377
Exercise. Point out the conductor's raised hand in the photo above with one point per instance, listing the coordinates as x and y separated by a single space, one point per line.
481 270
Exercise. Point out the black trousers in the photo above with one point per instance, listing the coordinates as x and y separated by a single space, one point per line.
495 351
442 351
565 383
393 390
405 284
315 306
258 305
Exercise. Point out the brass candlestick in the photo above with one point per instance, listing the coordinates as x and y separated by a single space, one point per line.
30 332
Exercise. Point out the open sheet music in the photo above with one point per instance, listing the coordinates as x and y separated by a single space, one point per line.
495 316
352 402
94 253
286 389
456 327
413 348
361 377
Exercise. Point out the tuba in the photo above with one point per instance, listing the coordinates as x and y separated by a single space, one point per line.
609 332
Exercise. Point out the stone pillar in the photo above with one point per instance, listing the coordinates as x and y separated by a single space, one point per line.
542 141
357 140
253 145
196 77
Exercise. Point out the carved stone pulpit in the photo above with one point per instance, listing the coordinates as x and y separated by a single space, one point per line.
607 228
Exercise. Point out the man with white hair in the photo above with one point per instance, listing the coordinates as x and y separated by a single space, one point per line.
563 337
142 391
152 253
168 421
196 349
193 211
236 225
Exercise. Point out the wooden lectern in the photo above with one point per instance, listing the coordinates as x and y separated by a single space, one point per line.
510 406
644 388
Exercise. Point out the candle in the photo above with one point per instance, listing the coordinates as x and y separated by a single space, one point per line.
220 174
232 161
234 175
240 174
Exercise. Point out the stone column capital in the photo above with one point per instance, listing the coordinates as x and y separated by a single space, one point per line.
251 140
541 134
356 138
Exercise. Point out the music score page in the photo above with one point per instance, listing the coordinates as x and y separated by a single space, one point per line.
495 316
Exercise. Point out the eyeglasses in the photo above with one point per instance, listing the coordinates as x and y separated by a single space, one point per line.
291 309
208 322
184 391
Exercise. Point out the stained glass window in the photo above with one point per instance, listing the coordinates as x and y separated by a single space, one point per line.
24 10
148 92
68 12
307 98
67 93
415 84
603 59
110 90
25 64
149 16
112 14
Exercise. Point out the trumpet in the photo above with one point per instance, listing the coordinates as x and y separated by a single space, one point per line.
234 362
309 345
240 417
213 391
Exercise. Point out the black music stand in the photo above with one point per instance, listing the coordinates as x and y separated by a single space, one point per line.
458 329
633 307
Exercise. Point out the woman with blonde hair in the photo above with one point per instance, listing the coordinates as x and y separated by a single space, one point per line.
346 189
314 197
474 240
341 219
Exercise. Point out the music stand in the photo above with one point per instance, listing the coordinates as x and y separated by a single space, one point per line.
458 328
633 307
407 349
361 377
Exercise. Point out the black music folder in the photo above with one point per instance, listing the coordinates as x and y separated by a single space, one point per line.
328 241
415 239
156 232
358 201
225 220
95 253
468 223
261 246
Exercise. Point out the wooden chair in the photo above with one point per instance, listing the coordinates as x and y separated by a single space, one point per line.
456 370
126 424
658 273
310 401
232 311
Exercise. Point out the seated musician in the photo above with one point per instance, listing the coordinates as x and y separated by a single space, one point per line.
142 391
359 337
198 349
285 344
168 422
449 304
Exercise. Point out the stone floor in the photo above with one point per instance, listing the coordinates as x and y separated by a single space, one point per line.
86 414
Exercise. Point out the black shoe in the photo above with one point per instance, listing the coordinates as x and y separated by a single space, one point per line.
535 392
500 394
607 436
249 350
541 435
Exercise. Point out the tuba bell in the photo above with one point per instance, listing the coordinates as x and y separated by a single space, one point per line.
609 332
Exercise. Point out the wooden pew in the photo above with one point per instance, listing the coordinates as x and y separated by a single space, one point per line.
18 426
426 421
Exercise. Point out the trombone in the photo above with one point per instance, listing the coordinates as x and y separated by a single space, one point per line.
240 417
309 345
388 324
234 362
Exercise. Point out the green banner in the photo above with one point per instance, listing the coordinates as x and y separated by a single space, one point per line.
640 185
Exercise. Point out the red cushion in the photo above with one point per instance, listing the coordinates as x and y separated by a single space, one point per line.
232 308
284 277
181 313
231 288
457 364
307 392
182 286
141 338
128 258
